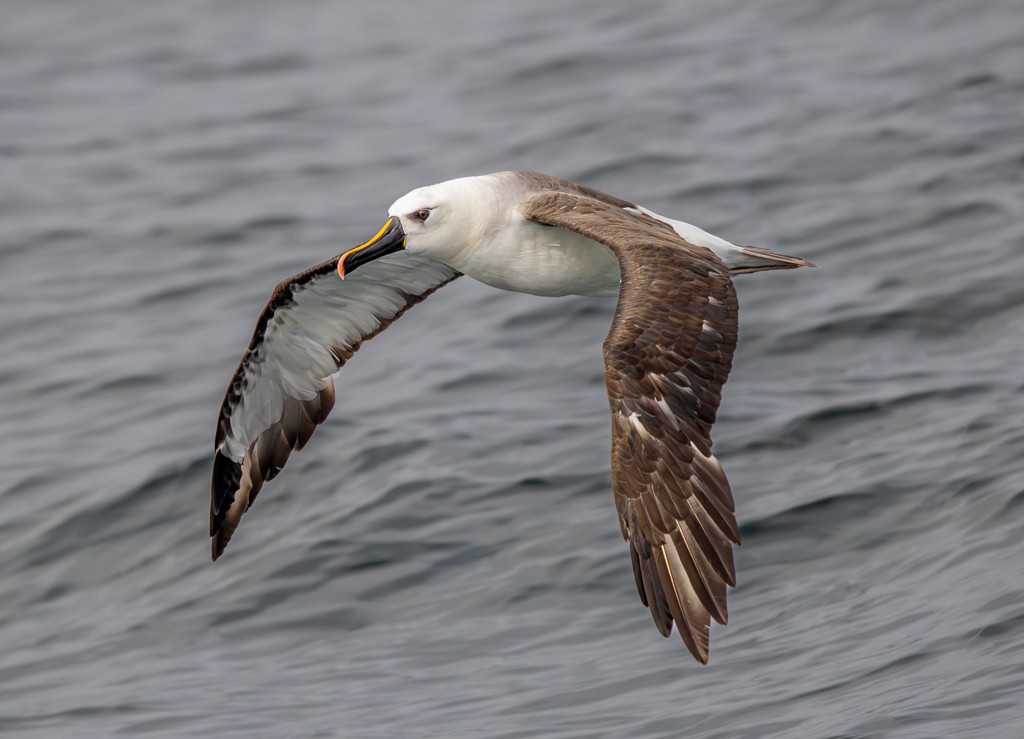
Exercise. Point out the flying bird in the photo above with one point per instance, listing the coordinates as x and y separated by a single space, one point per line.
667 356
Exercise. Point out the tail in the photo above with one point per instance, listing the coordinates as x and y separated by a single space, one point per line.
738 259
753 259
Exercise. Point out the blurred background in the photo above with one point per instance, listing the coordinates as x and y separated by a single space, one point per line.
444 558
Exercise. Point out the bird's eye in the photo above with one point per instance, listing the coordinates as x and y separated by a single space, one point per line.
422 214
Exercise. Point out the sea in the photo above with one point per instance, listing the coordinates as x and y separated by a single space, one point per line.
443 559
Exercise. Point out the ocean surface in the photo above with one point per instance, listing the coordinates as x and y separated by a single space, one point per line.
444 559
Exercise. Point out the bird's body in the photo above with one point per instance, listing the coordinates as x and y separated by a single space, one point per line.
518 254
667 356
530 258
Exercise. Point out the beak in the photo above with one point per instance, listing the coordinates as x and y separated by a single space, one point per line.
389 239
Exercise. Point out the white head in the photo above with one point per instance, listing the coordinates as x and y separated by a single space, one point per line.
440 221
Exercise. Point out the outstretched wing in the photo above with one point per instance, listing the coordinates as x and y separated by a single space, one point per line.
667 356
283 389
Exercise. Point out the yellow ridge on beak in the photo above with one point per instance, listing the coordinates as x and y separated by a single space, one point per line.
389 239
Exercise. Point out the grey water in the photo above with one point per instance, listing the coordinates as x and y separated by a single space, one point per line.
444 559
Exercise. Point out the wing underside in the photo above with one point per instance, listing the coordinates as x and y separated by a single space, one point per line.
282 389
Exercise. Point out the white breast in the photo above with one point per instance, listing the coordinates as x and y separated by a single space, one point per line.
528 257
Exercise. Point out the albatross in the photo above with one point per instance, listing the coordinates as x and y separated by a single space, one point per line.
667 356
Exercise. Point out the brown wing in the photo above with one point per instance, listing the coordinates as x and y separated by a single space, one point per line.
283 389
667 356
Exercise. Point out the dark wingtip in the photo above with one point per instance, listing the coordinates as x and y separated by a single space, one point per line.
227 475
700 649
217 546
219 540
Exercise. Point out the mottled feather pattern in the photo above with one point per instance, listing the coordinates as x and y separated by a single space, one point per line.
667 356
